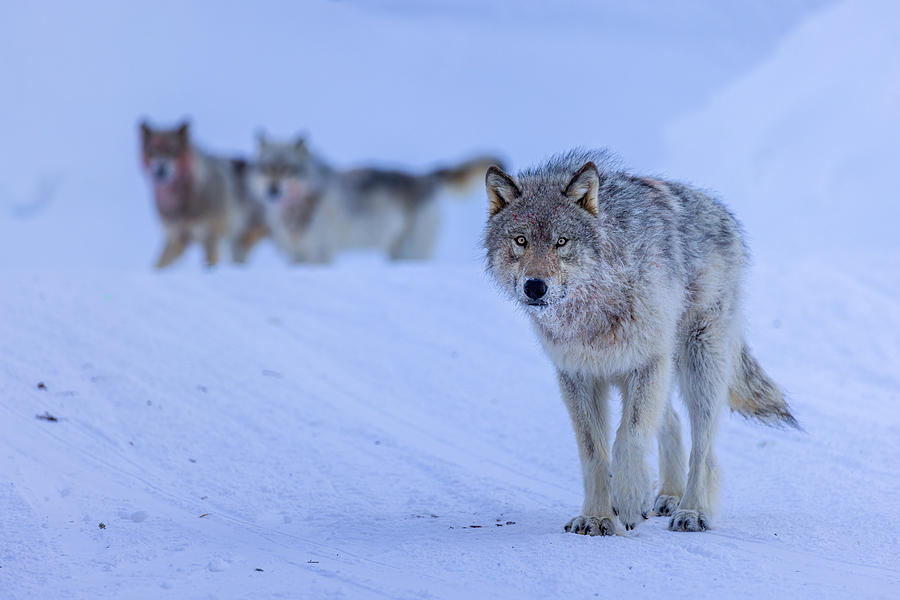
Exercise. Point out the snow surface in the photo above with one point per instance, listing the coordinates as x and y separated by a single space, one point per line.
344 430
336 432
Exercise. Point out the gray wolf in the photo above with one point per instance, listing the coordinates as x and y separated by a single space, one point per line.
315 211
631 282
198 197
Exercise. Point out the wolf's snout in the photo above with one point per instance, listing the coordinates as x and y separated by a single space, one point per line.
161 172
535 288
274 190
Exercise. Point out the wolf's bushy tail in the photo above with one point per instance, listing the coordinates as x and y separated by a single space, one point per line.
465 176
754 395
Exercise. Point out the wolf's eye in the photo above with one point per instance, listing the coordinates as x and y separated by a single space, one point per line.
521 240
561 242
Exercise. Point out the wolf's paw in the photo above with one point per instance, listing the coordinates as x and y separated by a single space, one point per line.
583 525
665 505
632 497
689 520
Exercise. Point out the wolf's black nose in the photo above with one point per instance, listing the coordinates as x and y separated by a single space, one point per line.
535 288
274 190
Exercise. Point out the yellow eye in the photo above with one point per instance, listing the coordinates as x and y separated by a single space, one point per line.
561 242
521 240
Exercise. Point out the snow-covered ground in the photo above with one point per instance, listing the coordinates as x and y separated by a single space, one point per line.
344 430
373 430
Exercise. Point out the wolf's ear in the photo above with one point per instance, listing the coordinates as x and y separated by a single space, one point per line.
261 140
300 146
183 131
584 188
501 189
145 130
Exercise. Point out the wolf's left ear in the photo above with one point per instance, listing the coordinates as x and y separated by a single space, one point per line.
584 188
501 189
182 131
145 130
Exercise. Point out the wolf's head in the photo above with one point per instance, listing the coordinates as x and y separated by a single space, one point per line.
542 238
165 152
283 169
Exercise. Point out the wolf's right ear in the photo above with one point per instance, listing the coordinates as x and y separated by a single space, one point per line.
501 189
183 131
300 146
261 140
584 188
145 130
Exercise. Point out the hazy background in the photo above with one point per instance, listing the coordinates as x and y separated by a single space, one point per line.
789 109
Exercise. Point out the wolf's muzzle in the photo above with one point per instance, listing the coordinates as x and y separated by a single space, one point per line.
535 288
274 191
161 171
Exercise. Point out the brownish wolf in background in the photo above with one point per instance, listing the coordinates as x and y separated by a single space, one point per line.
198 197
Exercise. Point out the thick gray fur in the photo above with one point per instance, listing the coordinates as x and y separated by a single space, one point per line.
643 289
315 211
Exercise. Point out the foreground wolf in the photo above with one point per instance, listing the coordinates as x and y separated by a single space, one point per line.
629 282
198 197
314 211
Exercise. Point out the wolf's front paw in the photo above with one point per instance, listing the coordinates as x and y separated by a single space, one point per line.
689 520
584 525
631 496
665 505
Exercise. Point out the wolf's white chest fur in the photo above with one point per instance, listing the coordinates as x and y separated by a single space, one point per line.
629 344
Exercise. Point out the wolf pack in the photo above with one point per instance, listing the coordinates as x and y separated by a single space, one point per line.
630 282
310 210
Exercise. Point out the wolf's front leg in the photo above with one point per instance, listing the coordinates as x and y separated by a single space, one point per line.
586 399
644 395
211 249
241 246
176 242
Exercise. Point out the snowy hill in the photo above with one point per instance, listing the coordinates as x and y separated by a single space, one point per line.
343 430
804 146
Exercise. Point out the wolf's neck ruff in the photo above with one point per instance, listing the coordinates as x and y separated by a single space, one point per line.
299 210
174 198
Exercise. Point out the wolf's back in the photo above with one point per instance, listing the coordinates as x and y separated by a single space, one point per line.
754 395
463 177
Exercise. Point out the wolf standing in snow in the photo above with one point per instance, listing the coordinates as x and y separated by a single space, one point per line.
198 197
631 282
315 211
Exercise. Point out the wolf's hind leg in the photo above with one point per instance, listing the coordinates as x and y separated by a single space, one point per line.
672 466
586 399
704 369
644 396
419 236
176 242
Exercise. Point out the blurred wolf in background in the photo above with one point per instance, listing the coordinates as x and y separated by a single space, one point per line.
315 211
630 282
198 197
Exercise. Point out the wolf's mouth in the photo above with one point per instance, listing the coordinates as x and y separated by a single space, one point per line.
538 303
